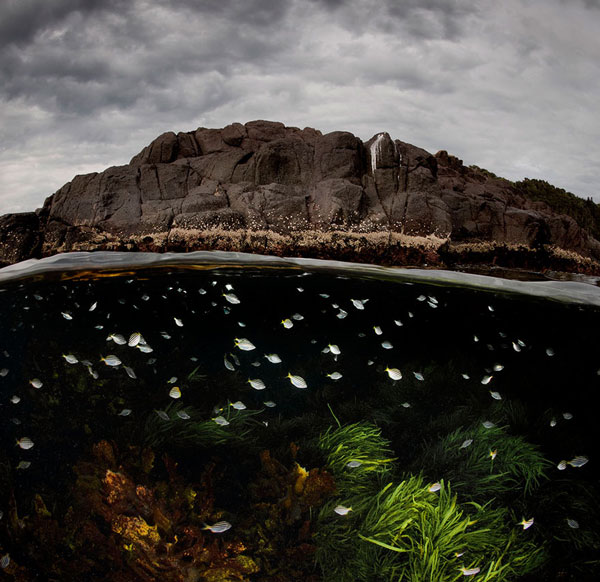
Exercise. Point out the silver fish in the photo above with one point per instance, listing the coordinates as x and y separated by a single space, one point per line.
377 330
130 372
134 339
178 322
228 364
562 465
231 298
111 360
549 352
394 373
526 523
287 323
25 443
4 561
488 424
572 523
419 376
298 317
125 412
470 571
495 395
3 372
359 303
567 415
270 404
578 461
334 375
398 322
219 527
175 392
486 380
117 338
334 349
239 405
498 367
386 345
297 381
406 404
221 421
71 359
341 314
244 344
162 415
353 464
273 358
257 383
183 415
342 510
24 465
435 487
36 383
93 306
66 315
15 399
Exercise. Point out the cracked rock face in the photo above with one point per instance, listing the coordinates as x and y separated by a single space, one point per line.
265 176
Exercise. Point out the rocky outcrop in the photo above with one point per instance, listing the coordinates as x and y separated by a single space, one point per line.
265 177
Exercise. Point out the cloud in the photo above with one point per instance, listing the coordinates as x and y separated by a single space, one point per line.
510 86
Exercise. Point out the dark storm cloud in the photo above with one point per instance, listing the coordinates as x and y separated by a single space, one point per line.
508 85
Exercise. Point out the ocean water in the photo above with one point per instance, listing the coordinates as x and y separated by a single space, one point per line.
226 417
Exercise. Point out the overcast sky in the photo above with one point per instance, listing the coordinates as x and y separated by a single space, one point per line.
510 85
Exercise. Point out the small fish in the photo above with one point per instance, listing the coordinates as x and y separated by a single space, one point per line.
219 527
377 330
335 350
134 339
183 415
257 383
231 298
300 289
229 287
256 364
394 373
71 359
549 352
24 465
235 359
175 392
491 308
125 412
567 415
553 422
273 358
486 380
521 343
15 399
221 421
4 561
578 461
435 487
324 295
172 380
370 362
66 315
433 299
406 404
3 372
241 324
495 395
466 376
516 347
111 360
297 381
162 415
419 376
129 371
498 367
93 306
334 375
341 314
572 523
562 466
178 322
144 348
493 454
270 404
165 335
117 338
475 339
421 298
470 571
287 323
244 344
25 443
239 405
526 523
36 383
353 464
386 345
466 443
297 317
359 303
342 510
228 364
488 424
432 304
398 322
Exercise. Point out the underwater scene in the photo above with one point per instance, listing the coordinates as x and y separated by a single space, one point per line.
221 422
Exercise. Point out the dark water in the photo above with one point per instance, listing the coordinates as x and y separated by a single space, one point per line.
364 477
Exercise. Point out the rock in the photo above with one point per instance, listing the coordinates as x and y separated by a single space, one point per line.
264 176
20 237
